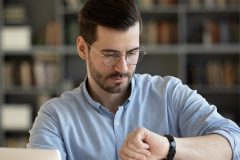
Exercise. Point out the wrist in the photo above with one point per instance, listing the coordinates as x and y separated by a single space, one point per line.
166 148
172 147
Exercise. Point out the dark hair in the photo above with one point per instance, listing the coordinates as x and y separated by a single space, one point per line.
116 14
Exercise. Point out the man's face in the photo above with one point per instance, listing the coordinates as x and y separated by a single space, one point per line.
116 78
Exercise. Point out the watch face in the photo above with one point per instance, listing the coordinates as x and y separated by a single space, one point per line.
173 143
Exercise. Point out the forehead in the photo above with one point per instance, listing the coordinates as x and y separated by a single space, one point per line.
108 36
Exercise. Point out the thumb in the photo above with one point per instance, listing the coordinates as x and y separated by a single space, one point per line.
144 134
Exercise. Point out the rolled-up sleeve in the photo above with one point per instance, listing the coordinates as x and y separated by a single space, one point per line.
197 117
231 133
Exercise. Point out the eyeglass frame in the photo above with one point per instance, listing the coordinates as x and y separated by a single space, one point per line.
118 56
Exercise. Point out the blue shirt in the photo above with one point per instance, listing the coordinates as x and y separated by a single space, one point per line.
81 129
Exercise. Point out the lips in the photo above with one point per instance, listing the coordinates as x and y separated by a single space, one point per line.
119 75
119 78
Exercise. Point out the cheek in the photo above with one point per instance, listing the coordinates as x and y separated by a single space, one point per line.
92 61
96 60
95 65
132 68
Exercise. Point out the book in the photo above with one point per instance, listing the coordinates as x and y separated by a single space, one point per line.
215 73
211 32
234 32
164 32
234 3
209 3
230 73
26 74
194 3
46 69
9 112
15 14
8 74
167 2
39 74
150 32
74 4
52 74
224 31
221 3
214 31
174 32
52 36
15 38
17 141
146 3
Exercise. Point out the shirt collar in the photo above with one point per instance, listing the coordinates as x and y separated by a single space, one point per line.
89 99
97 105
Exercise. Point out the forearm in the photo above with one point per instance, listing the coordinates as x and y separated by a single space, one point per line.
214 147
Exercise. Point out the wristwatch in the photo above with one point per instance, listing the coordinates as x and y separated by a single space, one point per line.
172 147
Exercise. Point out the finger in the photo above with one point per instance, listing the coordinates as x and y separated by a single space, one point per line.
139 143
125 157
143 151
137 138
135 143
133 154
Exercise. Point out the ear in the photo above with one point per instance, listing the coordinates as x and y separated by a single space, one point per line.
82 47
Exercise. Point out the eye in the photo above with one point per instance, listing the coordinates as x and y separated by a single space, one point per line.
111 54
133 53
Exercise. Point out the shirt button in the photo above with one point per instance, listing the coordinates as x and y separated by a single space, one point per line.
117 123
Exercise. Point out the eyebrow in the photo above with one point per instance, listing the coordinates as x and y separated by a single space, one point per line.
112 50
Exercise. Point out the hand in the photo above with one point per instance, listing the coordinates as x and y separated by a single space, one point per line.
143 144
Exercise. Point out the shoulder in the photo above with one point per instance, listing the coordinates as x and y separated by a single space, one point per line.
167 86
64 103
146 80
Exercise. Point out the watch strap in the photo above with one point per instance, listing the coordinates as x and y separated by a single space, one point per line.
172 147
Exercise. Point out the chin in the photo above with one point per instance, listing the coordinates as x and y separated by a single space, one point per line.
118 88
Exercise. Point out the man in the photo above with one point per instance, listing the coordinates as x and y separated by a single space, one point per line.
116 114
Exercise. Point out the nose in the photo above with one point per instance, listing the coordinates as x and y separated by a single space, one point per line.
122 65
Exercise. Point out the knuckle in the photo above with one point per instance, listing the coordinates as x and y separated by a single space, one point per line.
140 129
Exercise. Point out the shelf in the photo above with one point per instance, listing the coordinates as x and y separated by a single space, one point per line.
169 10
193 49
206 89
30 90
207 10
151 49
33 50
159 10
70 10
175 46
174 49
162 49
69 50
217 48
45 49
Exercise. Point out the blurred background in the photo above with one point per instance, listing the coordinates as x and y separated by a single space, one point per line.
197 41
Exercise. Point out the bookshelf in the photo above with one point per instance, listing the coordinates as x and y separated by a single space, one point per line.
28 54
183 35
2 137
195 40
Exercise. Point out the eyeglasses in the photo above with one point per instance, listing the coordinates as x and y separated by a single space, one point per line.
111 58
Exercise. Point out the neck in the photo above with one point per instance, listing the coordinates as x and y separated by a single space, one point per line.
109 100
